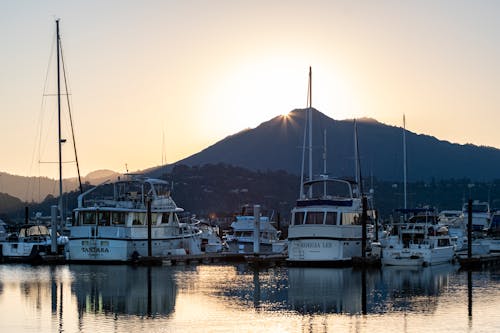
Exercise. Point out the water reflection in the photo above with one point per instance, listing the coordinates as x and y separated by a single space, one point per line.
141 291
226 298
342 290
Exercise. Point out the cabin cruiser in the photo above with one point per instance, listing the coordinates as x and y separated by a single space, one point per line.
481 215
326 226
492 236
241 239
116 225
420 237
30 244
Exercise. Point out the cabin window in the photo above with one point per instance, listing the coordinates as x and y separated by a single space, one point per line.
331 218
314 218
87 218
139 219
103 218
350 218
118 218
298 218
443 242
164 218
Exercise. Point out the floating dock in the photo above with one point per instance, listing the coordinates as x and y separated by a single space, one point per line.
479 261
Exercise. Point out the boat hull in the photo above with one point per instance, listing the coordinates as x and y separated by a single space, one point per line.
22 252
323 243
129 245
401 257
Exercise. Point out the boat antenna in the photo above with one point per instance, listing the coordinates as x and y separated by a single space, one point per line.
404 160
71 120
357 159
304 149
60 141
324 161
310 128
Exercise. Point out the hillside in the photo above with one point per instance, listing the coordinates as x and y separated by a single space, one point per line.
37 188
276 145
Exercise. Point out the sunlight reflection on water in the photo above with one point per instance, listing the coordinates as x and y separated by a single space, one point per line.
229 298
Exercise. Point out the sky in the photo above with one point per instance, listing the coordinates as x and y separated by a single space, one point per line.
153 82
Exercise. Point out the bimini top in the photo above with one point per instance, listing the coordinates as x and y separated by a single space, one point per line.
133 192
329 191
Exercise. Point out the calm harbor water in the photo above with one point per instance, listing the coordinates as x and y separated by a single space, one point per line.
236 298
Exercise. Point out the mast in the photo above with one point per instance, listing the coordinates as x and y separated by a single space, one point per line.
404 160
356 154
310 128
58 48
324 162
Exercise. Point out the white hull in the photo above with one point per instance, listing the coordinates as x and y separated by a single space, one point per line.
127 243
104 249
21 251
437 255
316 250
323 243
401 257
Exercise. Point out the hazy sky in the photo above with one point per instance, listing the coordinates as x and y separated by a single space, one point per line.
169 78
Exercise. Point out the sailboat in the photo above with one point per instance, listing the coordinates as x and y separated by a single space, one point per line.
421 239
326 221
33 243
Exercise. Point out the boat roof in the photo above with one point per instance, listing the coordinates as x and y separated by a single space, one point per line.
323 179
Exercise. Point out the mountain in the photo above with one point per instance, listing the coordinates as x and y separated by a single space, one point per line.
37 188
276 145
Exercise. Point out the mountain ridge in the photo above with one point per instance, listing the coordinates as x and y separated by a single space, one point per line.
275 145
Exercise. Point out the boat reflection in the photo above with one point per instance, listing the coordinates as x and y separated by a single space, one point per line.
128 290
327 290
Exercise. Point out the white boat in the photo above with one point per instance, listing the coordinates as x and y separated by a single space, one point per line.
30 244
492 238
114 226
401 257
326 229
451 217
481 216
241 238
210 240
421 236
326 226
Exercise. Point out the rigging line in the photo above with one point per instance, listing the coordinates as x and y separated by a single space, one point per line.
64 162
71 119
38 136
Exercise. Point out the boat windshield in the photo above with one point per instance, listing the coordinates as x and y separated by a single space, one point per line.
35 230
334 189
162 190
477 208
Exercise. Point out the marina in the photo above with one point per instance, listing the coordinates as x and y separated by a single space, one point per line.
263 214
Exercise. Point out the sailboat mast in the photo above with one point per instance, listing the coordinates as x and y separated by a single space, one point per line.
324 162
356 155
404 160
310 128
58 48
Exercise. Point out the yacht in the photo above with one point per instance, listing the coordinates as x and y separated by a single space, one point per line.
30 244
481 215
326 225
113 224
421 237
241 239
492 237
326 228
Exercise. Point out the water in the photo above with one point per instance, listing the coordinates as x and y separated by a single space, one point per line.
236 298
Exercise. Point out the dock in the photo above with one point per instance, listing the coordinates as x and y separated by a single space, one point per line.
479 261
